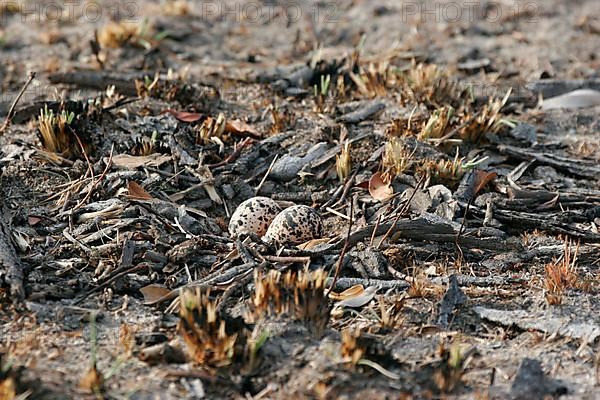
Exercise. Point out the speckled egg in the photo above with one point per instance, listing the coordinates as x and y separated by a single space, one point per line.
294 225
253 216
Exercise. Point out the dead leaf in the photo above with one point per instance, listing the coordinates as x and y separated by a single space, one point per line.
311 244
359 300
152 293
130 162
239 127
362 185
184 116
92 380
482 178
576 99
137 192
350 292
8 389
33 220
378 189
549 204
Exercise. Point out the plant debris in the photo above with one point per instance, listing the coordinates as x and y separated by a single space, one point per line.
359 201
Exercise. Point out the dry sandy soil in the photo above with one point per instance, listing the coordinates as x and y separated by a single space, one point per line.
500 304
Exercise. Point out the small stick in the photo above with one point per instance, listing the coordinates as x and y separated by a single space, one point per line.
347 187
287 260
262 181
339 214
375 230
95 183
11 111
401 212
87 159
235 154
135 268
333 197
460 230
338 268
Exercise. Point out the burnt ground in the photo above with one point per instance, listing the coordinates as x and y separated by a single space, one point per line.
500 304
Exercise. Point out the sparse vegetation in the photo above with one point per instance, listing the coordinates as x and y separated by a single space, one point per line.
56 133
321 93
209 339
417 201
129 33
297 295
343 162
561 275
397 159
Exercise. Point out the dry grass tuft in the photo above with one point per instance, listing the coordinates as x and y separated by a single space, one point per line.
417 288
211 128
343 162
178 8
118 34
176 88
396 159
438 124
374 79
282 119
204 331
143 147
561 275
410 126
486 120
299 295
451 369
391 317
351 349
430 84
447 172
55 133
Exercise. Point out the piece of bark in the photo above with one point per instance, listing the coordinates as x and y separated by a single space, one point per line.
532 383
363 113
547 321
345 283
453 298
561 222
10 266
586 169
99 80
287 167
127 253
555 87
427 227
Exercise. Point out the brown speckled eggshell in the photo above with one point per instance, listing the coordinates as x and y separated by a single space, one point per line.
253 216
294 225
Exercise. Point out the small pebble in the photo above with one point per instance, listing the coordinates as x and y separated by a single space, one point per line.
253 216
294 225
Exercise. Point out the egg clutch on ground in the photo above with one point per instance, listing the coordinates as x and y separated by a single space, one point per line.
253 216
263 216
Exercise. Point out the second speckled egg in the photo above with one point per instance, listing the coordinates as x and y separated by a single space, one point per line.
294 225
253 216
